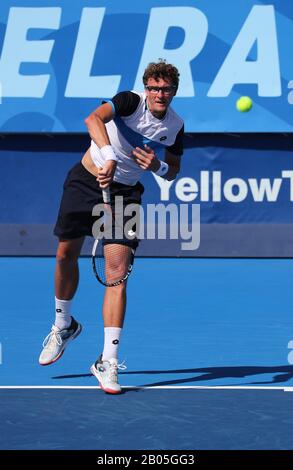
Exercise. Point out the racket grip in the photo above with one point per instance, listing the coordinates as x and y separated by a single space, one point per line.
106 196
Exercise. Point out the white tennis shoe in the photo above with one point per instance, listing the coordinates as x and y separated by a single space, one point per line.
107 374
55 343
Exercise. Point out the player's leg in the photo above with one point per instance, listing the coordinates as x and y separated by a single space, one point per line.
80 193
117 258
114 306
67 272
65 328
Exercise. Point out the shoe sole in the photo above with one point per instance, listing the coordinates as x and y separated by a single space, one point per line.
106 390
75 335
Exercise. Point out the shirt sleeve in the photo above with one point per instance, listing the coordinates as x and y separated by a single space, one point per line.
125 103
177 147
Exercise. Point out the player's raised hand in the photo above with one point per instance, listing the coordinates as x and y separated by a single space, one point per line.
146 158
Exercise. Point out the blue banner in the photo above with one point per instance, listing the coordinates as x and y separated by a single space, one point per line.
234 179
59 59
231 184
241 185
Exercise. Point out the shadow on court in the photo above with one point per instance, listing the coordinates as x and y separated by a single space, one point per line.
282 374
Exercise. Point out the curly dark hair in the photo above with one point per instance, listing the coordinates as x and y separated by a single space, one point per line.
163 70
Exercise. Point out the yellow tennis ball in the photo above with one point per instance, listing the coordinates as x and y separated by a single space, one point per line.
244 104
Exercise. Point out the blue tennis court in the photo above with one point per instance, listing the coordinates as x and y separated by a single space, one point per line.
206 347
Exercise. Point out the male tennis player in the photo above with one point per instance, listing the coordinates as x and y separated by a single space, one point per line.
125 133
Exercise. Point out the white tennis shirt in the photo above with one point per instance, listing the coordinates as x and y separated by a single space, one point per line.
134 126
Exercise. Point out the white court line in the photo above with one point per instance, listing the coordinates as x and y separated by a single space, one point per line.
159 387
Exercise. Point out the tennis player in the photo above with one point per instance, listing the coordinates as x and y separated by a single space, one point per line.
125 134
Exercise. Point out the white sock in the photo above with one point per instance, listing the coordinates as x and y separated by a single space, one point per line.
63 316
111 342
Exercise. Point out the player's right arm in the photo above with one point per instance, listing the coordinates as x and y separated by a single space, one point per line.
123 104
95 123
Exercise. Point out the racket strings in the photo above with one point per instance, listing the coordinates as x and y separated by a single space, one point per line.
113 263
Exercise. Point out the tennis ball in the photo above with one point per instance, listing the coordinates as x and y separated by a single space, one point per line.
244 104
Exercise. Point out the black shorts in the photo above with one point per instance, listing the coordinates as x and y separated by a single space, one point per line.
81 192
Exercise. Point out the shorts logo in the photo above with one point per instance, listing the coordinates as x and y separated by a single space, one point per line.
163 138
131 233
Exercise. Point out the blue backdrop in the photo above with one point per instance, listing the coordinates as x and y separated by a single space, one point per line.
243 186
60 58
234 179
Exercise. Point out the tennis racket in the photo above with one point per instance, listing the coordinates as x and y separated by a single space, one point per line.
112 262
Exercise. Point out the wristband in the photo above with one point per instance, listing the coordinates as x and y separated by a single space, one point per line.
108 153
164 167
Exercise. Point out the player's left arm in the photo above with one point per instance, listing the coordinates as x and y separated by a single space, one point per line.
147 159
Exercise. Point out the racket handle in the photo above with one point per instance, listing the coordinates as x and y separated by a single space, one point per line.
106 196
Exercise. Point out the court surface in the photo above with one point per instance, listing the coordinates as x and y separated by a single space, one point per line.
206 347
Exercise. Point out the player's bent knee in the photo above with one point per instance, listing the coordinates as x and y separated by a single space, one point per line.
68 251
66 256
